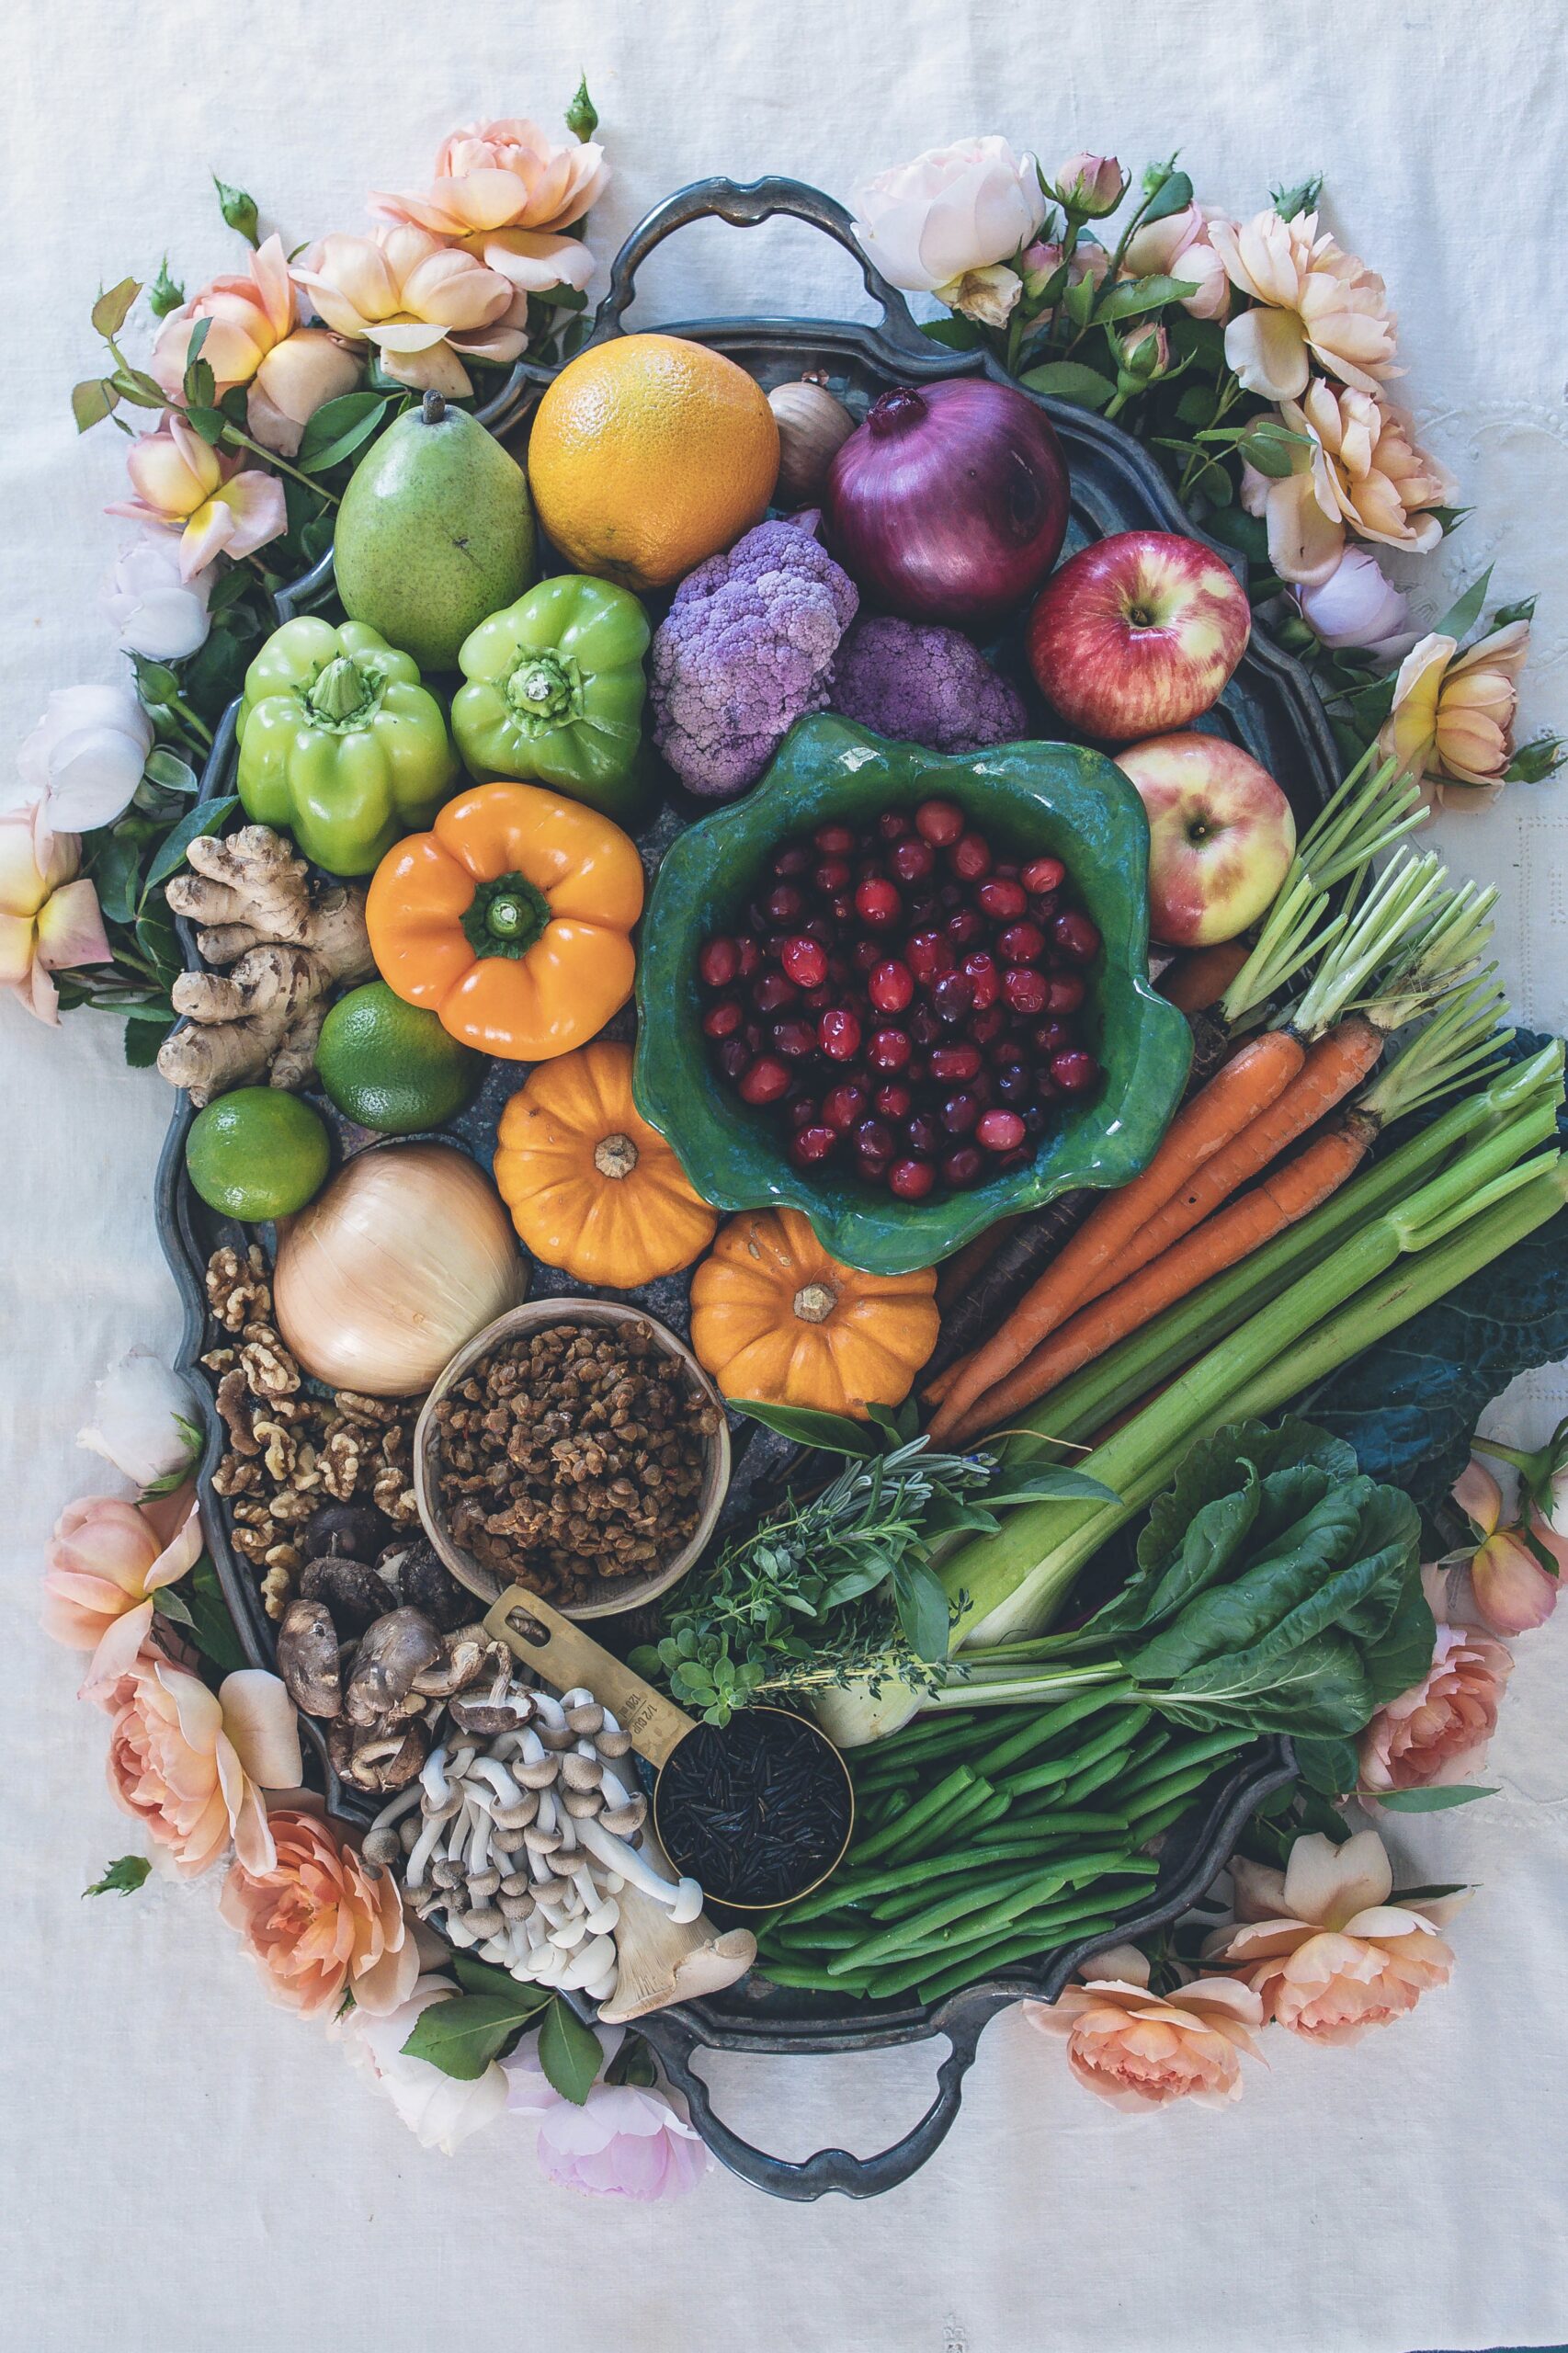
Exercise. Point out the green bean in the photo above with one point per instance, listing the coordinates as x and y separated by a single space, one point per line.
1212 1747
1106 1770
923 1810
899 1902
1045 1727
815 1981
932 1987
1116 1737
1161 1820
1027 1812
967 1900
1043 1918
824 1935
936 1831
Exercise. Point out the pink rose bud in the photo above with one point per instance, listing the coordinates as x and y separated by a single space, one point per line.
1091 186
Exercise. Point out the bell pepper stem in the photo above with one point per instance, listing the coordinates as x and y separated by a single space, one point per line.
506 916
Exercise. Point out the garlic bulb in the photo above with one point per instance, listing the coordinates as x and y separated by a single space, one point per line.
812 427
385 1275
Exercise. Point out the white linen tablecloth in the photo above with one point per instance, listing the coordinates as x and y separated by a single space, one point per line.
186 2169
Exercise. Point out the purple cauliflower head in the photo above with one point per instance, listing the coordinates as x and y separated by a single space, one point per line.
923 684
742 652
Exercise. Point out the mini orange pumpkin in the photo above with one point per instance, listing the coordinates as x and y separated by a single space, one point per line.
592 1187
774 1316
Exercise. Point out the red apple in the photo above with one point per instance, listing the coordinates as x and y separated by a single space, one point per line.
1220 835
1137 634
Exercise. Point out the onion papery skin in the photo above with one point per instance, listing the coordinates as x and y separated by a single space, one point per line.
394 1268
950 502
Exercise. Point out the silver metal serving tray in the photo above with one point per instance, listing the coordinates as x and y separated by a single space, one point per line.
1270 707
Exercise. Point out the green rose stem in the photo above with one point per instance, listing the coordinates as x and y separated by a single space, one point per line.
505 918
270 456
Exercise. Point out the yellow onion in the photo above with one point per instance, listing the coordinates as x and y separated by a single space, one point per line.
403 1258
812 427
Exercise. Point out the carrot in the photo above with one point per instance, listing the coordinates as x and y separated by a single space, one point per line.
1198 978
1242 1087
961 1269
1334 1065
1234 1234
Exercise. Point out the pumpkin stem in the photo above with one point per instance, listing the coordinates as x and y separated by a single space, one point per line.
814 1303
615 1156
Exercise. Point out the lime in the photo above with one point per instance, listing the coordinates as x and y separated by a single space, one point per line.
257 1152
390 1065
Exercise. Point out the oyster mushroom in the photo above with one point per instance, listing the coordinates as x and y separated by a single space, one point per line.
309 1658
465 1655
376 1760
396 1649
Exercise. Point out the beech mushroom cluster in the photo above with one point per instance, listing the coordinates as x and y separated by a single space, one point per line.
524 1841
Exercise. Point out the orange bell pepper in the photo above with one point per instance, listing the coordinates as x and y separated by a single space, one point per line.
510 919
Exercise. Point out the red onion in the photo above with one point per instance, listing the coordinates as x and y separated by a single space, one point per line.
949 503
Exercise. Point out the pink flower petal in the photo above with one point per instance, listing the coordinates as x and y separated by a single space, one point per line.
71 929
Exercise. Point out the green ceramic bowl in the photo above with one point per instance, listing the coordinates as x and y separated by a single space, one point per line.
1030 799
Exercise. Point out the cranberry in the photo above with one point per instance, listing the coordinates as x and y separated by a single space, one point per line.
1002 1050
719 963
832 874
1009 1161
987 1022
911 1179
980 970
1075 936
841 907
1000 1130
963 926
838 1034
750 956
794 860
877 902
1015 1085
912 860
795 1036
890 985
1023 989
819 999
963 1168
922 1133
982 1086
1044 874
893 825
959 1114
1034 1122
928 955
805 960
865 956
812 1144
735 1055
952 999
954 1062
722 1020
1067 993
873 1140
1003 899
951 895
1075 1070
800 1110
1050 1035
1021 943
773 992
924 1027
785 904
833 841
924 914
888 1049
893 1100
843 1105
752 1033
765 1081
939 823
969 856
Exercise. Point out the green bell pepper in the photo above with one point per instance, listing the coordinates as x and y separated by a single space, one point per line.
340 744
555 691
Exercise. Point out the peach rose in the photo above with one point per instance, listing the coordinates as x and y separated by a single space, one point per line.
254 337
1452 720
1140 2050
425 306
1513 1591
1180 246
183 485
50 917
1313 301
191 1764
1356 468
1437 1731
1321 1946
106 1562
320 1922
953 209
503 190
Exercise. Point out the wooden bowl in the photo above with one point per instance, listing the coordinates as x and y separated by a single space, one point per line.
631 1592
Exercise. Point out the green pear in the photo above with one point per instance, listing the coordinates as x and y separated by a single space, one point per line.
436 531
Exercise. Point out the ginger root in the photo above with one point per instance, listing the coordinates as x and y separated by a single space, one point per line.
288 946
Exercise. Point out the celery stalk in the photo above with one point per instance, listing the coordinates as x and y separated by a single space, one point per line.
1089 1399
1014 1582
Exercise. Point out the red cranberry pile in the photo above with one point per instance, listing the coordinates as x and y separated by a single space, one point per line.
910 1002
